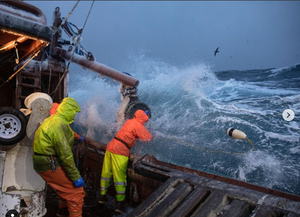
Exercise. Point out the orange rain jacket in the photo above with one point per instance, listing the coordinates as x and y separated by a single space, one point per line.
132 130
54 108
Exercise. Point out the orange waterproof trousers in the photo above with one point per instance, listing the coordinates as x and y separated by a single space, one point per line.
68 194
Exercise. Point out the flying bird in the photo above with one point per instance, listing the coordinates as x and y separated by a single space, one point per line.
217 51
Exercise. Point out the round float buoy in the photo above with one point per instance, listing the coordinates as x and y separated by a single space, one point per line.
237 134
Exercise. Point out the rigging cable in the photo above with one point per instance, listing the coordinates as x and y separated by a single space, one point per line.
40 50
80 32
34 55
67 17
88 15
211 151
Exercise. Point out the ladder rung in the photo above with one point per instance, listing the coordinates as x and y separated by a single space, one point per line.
22 97
28 85
26 74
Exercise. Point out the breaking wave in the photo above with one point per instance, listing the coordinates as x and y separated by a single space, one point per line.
192 107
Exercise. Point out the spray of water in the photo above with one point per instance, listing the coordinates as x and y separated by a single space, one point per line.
191 110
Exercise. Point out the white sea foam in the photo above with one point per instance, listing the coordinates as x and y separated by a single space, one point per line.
282 137
191 105
295 150
259 160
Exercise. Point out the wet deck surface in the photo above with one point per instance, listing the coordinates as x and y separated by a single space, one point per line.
184 194
91 208
179 197
171 191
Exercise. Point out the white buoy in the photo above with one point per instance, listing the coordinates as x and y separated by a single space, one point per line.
237 134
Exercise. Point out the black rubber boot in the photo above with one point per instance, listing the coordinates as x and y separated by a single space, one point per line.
103 199
120 208
62 212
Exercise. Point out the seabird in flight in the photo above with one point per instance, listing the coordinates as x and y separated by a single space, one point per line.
217 51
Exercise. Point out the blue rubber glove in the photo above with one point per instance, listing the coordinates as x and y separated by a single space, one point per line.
79 183
81 138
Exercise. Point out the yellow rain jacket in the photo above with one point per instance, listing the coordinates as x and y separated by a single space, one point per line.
55 137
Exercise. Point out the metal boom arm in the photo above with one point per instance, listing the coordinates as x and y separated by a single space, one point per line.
96 67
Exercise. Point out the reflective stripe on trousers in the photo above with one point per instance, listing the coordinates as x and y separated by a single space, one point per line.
114 170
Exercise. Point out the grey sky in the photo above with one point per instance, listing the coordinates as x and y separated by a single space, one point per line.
250 34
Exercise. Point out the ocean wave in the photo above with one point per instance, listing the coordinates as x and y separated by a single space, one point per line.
192 108
286 77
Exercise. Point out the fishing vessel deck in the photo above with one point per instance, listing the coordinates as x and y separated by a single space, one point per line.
157 188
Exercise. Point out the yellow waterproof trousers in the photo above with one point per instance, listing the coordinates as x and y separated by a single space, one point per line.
114 170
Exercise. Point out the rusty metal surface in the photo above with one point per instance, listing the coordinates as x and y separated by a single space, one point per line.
96 67
19 7
23 32
21 26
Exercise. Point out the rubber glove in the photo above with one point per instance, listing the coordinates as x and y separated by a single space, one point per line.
79 183
81 138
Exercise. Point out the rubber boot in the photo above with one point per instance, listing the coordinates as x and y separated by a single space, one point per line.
103 199
120 208
62 212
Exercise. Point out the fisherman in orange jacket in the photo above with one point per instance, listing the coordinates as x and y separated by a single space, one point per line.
117 154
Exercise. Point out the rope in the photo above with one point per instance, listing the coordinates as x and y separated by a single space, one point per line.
212 151
88 15
249 140
81 30
70 13
67 17
67 69
65 72
34 55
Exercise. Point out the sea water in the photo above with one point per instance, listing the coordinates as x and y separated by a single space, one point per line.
192 108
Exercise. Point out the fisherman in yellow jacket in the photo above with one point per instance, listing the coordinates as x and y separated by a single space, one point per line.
53 158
